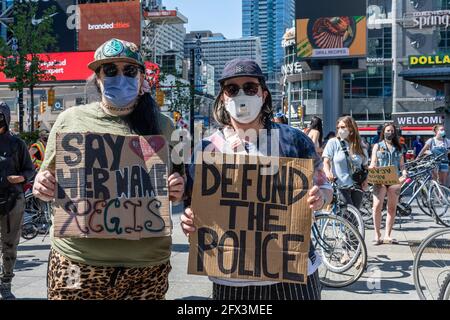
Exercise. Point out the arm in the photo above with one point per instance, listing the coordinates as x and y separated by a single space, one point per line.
425 148
25 168
26 165
374 160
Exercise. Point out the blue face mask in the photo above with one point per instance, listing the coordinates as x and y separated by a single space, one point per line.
120 91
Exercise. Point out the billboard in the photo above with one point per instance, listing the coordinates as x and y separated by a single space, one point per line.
65 66
100 22
331 29
64 22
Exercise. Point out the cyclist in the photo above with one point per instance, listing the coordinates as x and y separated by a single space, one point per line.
438 145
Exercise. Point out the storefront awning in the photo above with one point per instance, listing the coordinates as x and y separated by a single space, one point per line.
429 77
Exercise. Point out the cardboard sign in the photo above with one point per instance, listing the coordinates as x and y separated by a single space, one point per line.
384 175
111 186
251 225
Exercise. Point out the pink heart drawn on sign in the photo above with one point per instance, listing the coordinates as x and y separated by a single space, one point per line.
146 148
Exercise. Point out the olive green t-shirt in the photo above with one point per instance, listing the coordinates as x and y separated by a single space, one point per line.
105 252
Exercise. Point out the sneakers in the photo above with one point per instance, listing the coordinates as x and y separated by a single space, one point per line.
5 292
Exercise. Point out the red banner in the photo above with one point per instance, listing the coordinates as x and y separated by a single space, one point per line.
65 66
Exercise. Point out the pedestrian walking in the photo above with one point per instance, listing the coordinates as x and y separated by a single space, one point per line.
387 152
244 103
110 268
16 169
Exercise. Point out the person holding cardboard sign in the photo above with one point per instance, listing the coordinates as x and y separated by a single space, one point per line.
244 110
91 267
387 152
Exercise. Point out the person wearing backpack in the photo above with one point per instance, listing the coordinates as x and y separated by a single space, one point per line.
16 168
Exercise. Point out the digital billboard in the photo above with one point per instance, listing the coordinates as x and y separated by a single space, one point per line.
331 29
64 66
64 22
100 22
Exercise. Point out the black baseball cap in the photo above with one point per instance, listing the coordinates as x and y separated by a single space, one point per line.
241 67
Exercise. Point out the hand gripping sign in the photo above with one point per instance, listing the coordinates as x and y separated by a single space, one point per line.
111 187
251 225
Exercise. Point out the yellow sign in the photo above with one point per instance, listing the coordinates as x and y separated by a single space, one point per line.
384 176
427 61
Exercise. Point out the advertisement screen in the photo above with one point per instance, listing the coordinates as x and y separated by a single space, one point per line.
64 22
331 29
65 66
100 22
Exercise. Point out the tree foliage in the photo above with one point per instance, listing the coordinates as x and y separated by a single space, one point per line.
22 63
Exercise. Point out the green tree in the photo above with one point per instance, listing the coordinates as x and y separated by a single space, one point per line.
21 61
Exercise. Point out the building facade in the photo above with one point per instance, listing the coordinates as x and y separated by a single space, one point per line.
369 95
268 19
216 50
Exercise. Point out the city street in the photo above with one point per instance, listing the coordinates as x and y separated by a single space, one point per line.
392 265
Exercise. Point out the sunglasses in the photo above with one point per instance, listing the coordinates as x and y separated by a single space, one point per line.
112 70
250 89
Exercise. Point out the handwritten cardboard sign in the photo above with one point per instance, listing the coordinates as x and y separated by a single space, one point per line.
251 225
384 175
111 187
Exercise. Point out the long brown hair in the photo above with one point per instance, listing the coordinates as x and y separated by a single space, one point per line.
354 138
223 117
395 140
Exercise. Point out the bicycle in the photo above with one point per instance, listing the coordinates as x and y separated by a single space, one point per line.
349 212
335 238
431 268
420 182
37 217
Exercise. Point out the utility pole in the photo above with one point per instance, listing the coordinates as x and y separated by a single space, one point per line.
191 111
394 56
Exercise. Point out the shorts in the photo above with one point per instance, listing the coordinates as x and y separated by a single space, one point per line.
443 167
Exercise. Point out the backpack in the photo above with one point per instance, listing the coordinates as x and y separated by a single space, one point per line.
8 195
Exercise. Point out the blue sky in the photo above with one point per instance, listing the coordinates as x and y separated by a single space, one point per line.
223 16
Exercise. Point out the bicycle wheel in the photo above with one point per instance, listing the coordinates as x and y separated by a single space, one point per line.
422 200
342 250
439 202
432 264
352 215
444 294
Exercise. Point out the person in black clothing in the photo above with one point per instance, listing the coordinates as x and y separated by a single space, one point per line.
16 168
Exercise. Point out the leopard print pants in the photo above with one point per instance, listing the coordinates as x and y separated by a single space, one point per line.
67 280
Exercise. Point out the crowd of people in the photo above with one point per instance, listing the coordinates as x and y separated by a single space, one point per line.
123 269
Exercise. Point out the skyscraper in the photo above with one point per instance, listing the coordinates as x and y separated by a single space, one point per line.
268 19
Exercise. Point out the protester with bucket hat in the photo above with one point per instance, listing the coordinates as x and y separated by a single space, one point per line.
110 268
242 108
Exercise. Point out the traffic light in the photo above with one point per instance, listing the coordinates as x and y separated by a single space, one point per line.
42 107
50 97
300 112
176 116
160 95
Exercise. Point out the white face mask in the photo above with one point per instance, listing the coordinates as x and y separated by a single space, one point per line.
243 108
343 133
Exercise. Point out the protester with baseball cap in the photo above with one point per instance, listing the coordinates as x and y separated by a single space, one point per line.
110 268
243 108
